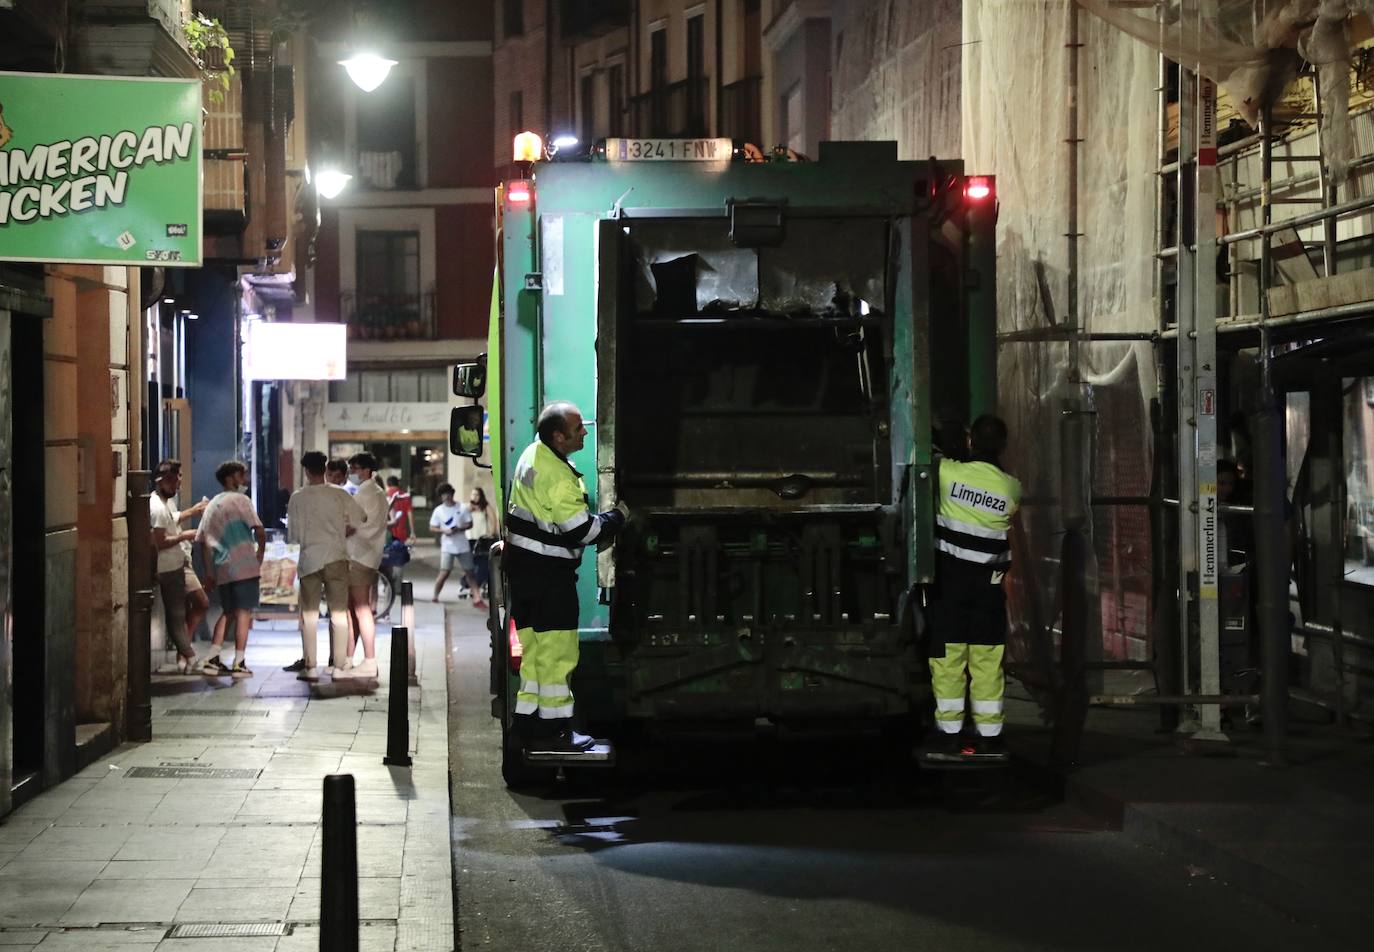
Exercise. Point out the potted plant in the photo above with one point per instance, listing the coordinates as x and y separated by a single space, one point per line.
208 42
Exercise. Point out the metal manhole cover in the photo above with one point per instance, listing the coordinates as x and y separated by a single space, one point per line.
194 773
212 712
219 930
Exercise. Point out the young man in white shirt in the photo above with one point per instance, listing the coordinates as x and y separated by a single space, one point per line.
364 558
450 521
176 579
320 519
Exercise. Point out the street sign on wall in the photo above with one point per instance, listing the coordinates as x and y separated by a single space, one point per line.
100 170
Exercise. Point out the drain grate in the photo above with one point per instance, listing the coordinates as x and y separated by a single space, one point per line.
221 930
193 773
212 712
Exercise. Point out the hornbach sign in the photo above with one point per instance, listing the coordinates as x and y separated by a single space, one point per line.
100 170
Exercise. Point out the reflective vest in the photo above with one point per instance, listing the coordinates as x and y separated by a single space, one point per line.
549 513
977 501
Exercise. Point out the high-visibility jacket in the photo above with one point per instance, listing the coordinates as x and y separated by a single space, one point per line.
549 513
976 504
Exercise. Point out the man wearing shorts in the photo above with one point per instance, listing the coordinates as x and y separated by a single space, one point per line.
450 522
320 519
183 601
364 558
232 542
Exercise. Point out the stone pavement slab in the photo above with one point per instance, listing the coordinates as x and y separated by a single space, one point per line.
218 819
1296 837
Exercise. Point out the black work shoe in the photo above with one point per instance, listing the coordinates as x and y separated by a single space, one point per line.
990 747
297 665
564 742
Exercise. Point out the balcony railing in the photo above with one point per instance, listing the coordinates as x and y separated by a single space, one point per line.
589 18
741 110
675 111
389 316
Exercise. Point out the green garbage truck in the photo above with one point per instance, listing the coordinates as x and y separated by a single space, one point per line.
761 348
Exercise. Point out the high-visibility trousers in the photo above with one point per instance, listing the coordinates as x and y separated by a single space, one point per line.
543 600
968 632
977 668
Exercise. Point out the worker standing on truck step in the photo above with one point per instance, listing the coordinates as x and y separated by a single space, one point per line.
968 614
547 524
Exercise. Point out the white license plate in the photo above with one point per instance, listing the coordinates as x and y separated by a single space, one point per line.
668 150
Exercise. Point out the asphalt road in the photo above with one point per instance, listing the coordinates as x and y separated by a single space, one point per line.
757 849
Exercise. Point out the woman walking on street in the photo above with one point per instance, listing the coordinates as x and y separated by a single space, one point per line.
486 529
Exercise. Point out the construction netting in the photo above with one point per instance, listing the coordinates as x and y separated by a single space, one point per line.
1255 50
1077 431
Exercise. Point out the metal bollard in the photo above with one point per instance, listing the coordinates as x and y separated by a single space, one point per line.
339 867
408 622
398 704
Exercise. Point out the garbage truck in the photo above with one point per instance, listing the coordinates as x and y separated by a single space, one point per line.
762 348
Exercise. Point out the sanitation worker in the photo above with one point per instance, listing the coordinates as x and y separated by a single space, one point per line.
968 614
548 522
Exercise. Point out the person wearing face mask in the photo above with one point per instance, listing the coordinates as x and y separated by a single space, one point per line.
232 542
364 558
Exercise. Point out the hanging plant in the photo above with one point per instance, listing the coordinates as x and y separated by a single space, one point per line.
208 42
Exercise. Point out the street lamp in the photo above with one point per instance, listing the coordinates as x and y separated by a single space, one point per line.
330 182
367 70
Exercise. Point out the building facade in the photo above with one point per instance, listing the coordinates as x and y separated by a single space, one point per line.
405 253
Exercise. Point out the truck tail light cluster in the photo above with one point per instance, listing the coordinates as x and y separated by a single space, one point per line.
516 649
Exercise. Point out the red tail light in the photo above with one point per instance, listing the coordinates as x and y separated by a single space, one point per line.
518 193
516 649
978 188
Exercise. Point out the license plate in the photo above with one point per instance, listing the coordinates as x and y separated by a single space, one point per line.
668 150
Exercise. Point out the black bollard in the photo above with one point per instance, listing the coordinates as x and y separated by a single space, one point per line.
339 867
398 704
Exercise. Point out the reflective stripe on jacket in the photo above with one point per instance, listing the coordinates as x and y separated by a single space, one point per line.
977 502
549 513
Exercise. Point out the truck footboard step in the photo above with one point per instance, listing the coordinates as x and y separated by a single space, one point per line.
942 760
600 754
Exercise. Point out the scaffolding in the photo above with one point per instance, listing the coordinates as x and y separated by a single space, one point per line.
1198 306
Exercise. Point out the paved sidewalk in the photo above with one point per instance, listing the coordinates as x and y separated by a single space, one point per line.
1295 837
214 826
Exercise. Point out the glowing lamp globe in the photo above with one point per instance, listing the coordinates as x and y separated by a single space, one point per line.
367 70
330 182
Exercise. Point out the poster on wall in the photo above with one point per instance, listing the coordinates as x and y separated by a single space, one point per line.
100 170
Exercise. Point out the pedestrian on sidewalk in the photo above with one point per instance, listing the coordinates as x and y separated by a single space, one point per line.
320 519
451 520
401 511
486 529
977 505
364 559
336 473
232 542
183 601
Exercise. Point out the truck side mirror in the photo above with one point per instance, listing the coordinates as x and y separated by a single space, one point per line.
465 431
470 380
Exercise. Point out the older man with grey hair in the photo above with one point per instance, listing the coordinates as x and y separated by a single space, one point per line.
548 523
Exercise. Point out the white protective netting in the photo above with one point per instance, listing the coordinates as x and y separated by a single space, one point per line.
896 74
1254 49
1015 123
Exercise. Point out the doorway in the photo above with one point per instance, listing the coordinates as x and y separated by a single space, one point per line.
420 465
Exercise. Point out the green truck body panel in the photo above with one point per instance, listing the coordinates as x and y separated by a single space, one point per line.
759 384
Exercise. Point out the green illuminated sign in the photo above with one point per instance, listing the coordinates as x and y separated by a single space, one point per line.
100 170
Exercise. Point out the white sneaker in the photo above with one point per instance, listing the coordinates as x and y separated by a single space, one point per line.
340 674
366 669
310 673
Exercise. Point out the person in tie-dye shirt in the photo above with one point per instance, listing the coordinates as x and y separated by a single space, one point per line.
232 541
